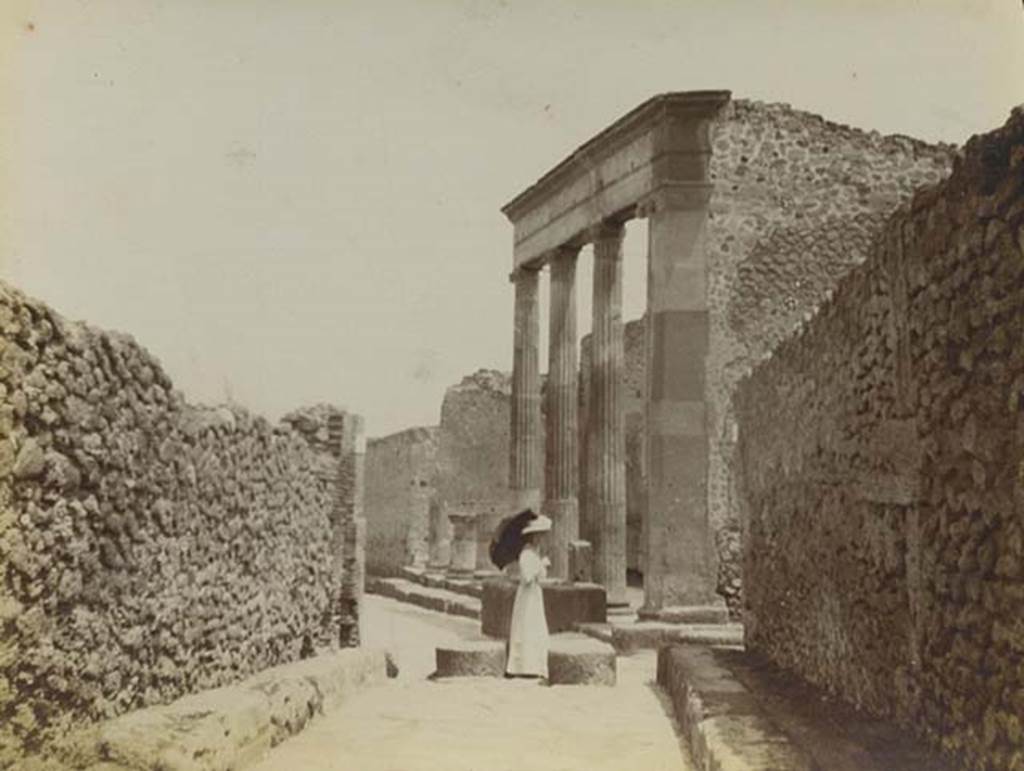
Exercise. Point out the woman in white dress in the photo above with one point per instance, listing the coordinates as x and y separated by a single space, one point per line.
528 631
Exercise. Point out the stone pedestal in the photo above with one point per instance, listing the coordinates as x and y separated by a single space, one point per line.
606 423
581 562
565 605
463 562
440 543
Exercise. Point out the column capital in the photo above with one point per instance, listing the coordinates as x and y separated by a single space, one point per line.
568 250
676 196
606 230
524 272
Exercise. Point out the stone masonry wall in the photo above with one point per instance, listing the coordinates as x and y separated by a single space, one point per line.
149 548
796 204
882 471
473 453
400 471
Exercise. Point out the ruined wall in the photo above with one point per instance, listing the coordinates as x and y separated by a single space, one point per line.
797 201
149 548
400 471
473 453
882 471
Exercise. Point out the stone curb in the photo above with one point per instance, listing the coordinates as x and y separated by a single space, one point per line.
440 600
233 726
721 720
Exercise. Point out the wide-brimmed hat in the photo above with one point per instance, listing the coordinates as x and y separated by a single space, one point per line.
539 525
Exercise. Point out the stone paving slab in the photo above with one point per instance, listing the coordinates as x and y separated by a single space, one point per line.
232 726
738 711
627 637
441 600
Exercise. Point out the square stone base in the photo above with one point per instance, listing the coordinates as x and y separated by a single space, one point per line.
565 605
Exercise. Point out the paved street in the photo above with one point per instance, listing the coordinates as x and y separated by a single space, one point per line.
482 724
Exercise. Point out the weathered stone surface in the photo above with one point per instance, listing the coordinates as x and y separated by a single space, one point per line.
473 454
565 605
573 659
581 661
400 471
483 658
880 456
150 548
233 726
724 726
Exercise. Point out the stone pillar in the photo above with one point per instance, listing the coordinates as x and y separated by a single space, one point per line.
463 564
524 450
561 458
348 444
440 539
606 422
680 561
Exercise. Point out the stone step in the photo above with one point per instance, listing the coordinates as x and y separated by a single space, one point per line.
472 587
441 600
573 659
641 635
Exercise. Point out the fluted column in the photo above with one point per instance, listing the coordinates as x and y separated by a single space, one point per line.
561 456
524 445
680 553
606 423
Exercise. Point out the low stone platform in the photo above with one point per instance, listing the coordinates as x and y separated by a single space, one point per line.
573 659
441 600
738 711
565 606
228 727
627 637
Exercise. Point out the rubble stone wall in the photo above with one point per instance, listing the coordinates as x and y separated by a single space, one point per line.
473 453
400 471
797 202
881 474
149 548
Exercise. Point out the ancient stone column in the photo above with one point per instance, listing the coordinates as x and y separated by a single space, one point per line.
606 425
561 457
679 547
525 448
464 544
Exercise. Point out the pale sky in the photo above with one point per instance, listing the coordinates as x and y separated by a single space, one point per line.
298 201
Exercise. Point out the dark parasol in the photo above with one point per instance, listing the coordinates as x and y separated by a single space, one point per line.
508 538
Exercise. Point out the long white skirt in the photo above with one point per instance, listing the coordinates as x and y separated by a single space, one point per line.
528 632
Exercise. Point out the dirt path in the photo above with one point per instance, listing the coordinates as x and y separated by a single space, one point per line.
482 724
